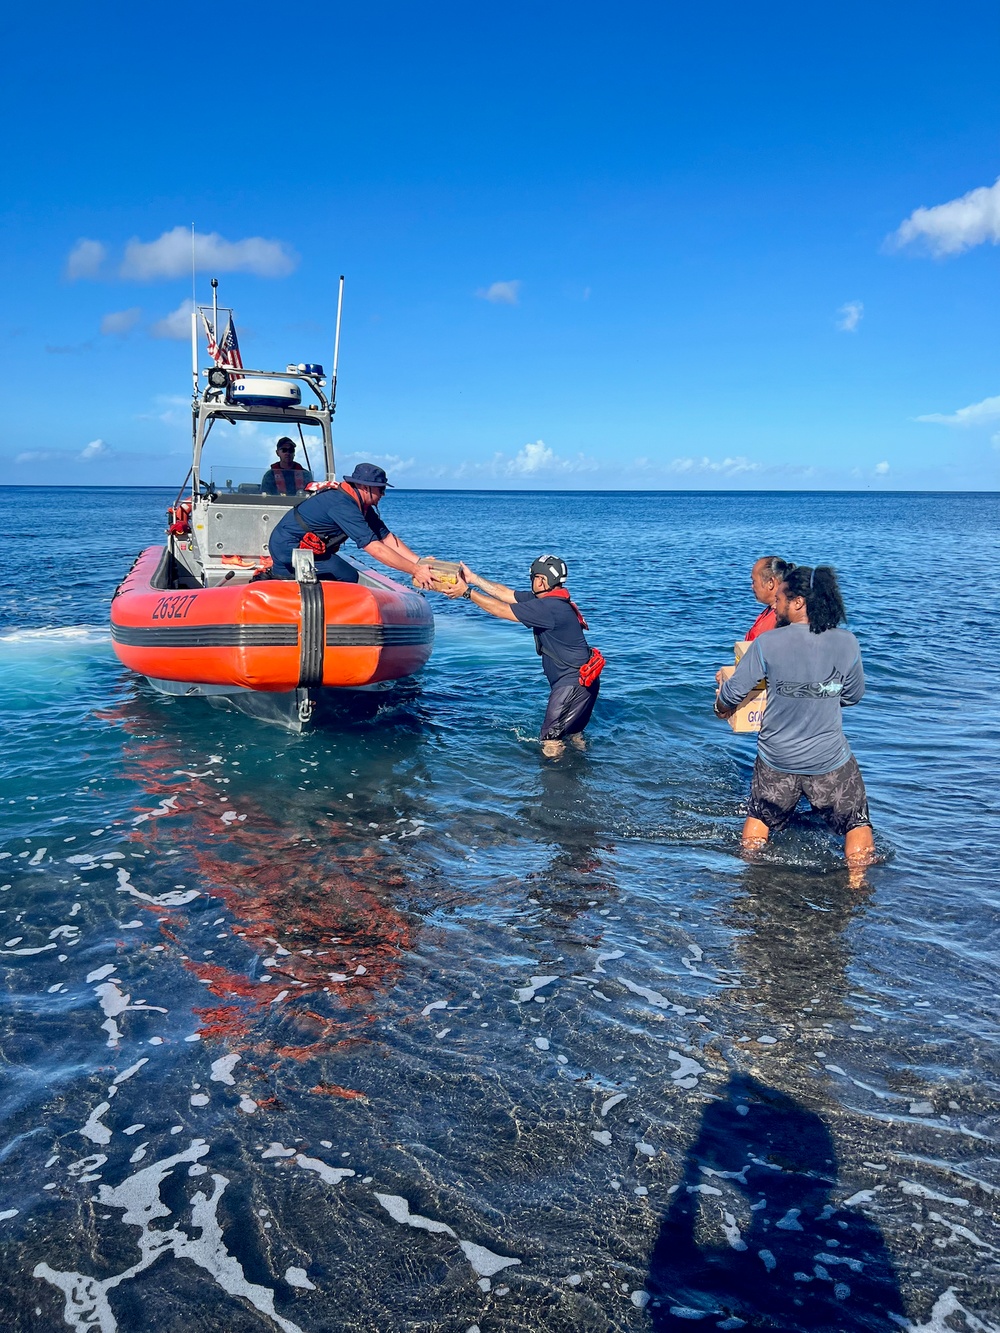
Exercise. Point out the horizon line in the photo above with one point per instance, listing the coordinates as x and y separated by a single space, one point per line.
527 490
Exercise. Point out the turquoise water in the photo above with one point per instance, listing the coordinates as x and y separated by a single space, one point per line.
394 1025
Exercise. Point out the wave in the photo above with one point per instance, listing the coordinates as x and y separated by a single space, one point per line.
58 634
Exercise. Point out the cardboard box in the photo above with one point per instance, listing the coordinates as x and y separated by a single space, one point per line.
747 717
444 572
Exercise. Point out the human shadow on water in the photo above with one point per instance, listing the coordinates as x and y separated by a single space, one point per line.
751 1239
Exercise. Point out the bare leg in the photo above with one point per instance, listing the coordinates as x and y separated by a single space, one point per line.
755 833
577 741
859 850
553 749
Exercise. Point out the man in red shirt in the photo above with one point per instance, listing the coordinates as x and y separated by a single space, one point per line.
766 578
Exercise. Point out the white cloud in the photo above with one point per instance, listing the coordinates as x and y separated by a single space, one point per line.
729 467
536 459
121 322
95 449
532 458
976 414
85 259
948 229
501 293
170 408
175 325
881 469
849 316
169 256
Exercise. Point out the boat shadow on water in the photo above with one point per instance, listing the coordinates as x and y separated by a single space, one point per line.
751 1237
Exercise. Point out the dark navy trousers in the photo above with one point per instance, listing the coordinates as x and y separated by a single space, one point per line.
570 707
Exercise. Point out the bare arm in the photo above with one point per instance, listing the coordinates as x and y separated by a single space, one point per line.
491 605
500 591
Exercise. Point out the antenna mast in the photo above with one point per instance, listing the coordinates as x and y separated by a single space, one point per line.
194 322
336 346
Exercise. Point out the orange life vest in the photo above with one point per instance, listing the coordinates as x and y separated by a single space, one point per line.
280 480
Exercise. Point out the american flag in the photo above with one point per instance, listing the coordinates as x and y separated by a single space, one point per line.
229 348
213 349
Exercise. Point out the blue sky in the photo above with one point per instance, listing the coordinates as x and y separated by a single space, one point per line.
640 246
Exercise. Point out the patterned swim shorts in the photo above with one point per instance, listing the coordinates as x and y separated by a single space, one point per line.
839 796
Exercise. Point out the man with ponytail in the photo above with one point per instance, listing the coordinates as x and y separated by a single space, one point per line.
813 671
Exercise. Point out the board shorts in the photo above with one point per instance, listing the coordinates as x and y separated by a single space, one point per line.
839 797
570 707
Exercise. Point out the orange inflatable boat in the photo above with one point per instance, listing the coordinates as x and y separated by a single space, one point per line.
189 615
268 636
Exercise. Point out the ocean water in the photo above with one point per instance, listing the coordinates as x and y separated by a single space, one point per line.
396 1026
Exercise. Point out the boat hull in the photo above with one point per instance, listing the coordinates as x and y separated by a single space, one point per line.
275 635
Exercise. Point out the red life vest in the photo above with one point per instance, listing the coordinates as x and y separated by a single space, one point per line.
765 621
312 541
564 596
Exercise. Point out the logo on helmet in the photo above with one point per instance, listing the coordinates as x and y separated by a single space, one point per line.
551 568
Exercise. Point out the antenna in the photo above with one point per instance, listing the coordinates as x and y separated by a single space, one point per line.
336 346
215 310
194 321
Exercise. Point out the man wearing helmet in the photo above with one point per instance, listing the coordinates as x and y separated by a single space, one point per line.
558 627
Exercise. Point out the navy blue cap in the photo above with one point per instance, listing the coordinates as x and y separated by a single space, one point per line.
368 474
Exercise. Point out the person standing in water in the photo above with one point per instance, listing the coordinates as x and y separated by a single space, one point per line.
572 667
813 670
766 575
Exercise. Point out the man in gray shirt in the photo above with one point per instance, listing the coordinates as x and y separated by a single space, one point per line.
813 670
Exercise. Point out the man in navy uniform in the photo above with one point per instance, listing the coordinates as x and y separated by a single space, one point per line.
285 477
558 627
326 520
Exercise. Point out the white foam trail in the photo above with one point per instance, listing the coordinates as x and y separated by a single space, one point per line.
484 1262
399 1210
58 634
87 1307
526 993
332 1175
948 1304
654 997
222 1069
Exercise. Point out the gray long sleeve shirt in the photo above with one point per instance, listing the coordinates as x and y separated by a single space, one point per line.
810 677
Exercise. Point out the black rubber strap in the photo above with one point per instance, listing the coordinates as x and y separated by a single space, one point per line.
313 639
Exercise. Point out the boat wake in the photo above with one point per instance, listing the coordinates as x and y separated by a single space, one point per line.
58 634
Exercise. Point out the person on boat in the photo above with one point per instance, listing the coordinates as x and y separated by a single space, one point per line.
571 666
325 521
813 671
285 477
